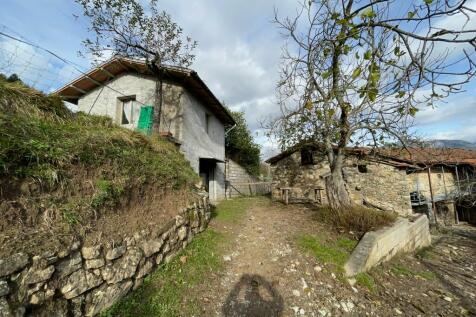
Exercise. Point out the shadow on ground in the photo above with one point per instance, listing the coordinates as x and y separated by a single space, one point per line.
253 296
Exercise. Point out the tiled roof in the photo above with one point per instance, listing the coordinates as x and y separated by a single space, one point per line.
405 157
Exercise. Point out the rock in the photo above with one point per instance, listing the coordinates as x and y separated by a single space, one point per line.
50 257
123 268
4 288
91 252
12 264
296 293
323 312
398 311
159 259
448 299
152 246
227 258
347 306
77 306
37 298
317 268
78 283
352 281
182 233
103 297
5 308
183 259
69 265
333 276
94 264
115 253
35 275
145 269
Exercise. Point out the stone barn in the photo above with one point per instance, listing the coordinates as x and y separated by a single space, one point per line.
424 180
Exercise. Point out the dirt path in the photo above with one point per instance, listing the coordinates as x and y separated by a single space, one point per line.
267 274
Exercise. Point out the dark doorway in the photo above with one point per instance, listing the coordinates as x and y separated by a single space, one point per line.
207 174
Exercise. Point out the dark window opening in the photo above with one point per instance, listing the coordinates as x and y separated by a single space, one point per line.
362 168
207 123
307 157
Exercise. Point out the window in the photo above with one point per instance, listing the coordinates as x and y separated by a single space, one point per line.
362 168
129 111
307 157
207 123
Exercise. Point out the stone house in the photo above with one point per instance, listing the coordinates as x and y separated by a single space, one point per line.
190 115
403 181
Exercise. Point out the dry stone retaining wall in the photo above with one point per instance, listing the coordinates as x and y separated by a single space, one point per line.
85 280
379 246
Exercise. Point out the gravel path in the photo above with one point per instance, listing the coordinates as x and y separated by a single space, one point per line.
267 274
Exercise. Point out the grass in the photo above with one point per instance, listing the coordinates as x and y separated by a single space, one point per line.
40 138
172 289
403 271
232 210
366 280
333 253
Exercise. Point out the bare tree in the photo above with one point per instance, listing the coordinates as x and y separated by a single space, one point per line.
126 28
357 71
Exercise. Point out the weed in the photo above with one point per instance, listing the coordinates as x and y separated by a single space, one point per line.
70 217
424 253
346 243
365 280
357 219
403 271
326 252
107 194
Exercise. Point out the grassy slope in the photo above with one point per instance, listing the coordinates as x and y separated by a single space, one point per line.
169 290
43 143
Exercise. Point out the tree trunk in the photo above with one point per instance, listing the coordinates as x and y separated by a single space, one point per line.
337 194
157 106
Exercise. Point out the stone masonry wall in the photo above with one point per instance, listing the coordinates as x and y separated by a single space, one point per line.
382 186
83 281
239 181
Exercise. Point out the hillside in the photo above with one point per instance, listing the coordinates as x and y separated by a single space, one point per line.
65 174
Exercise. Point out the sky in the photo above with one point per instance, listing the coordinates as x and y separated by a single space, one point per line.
238 57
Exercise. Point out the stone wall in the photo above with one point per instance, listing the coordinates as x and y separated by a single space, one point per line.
241 183
377 184
378 246
85 280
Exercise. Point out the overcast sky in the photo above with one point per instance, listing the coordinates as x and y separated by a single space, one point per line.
238 56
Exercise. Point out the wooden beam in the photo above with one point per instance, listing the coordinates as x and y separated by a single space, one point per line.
77 89
107 72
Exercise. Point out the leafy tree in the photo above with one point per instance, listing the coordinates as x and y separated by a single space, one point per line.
128 29
13 78
356 72
240 146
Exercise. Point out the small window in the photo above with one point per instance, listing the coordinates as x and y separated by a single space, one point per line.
207 123
362 168
130 111
307 157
